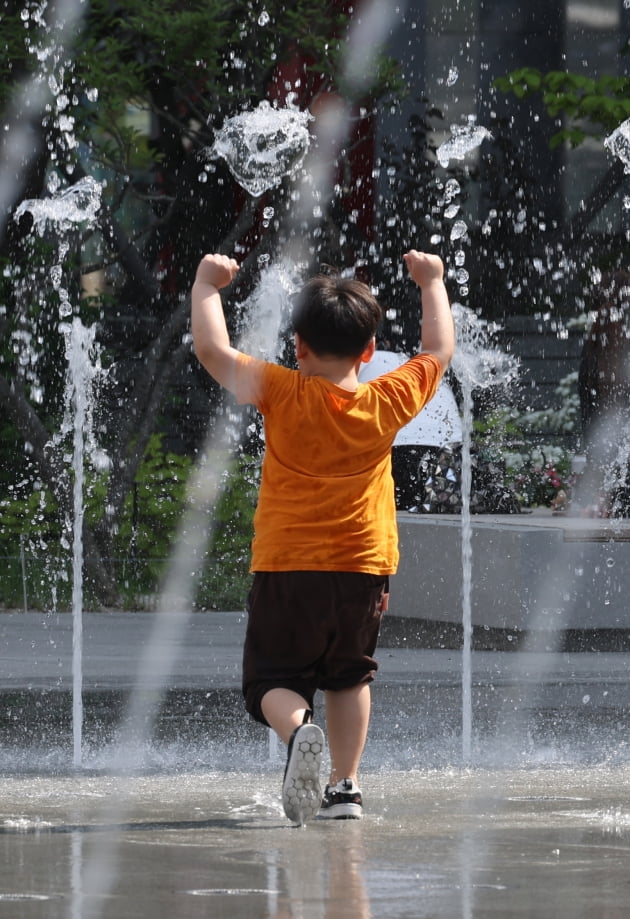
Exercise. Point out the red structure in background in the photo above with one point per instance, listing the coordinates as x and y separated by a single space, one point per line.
357 161
294 79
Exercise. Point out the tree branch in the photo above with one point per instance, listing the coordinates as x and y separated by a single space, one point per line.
609 183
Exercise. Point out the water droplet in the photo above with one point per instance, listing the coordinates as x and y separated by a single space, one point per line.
458 230
463 140
610 563
451 189
453 76
264 18
619 143
262 146
586 699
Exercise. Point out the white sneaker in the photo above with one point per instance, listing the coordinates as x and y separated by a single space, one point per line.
342 801
301 791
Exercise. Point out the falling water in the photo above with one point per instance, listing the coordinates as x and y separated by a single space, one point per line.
477 365
263 315
619 143
78 204
81 376
464 139
153 660
263 146
314 190
37 94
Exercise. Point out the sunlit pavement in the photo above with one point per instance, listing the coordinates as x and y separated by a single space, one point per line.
536 825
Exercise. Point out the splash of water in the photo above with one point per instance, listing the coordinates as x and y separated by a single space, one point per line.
82 372
57 24
365 41
263 146
78 204
463 140
267 309
477 365
619 144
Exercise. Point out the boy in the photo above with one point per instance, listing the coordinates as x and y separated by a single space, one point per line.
325 526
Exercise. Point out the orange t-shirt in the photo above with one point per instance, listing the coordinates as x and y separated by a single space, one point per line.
326 500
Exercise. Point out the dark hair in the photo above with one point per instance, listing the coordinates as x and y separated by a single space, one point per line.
336 316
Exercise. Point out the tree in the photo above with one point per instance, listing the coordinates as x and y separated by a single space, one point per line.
588 107
133 96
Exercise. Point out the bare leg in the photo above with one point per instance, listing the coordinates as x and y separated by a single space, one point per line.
347 719
284 710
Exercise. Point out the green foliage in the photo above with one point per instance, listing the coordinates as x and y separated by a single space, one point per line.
29 512
541 478
537 469
144 535
225 579
592 107
153 508
185 63
137 92
30 517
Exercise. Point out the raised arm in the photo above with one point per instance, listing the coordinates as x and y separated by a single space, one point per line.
438 333
209 331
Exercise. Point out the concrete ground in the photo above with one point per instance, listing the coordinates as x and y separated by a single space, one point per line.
180 815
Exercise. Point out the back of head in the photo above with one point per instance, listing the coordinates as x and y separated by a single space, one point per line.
336 316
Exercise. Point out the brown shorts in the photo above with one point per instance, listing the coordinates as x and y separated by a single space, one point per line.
310 630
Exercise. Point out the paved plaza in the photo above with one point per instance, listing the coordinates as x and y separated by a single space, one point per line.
181 818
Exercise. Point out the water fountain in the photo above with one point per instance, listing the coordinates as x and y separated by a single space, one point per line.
64 211
188 836
477 366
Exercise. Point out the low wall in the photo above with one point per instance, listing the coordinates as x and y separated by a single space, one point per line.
529 571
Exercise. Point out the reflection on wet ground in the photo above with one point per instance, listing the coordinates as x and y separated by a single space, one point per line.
538 826
552 841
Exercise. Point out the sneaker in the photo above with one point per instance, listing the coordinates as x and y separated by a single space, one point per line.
342 801
301 791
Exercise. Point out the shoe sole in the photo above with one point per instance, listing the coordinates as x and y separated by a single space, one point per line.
301 790
342 812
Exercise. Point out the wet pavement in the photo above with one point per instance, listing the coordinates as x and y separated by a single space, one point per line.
538 825
517 843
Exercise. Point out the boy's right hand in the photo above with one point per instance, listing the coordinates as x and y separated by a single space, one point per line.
424 267
217 270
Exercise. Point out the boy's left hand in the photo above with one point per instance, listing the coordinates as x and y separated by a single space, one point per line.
218 270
